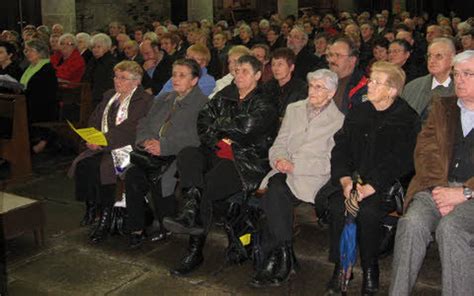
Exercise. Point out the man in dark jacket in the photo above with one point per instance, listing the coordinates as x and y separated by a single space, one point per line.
283 87
236 129
306 61
157 65
342 57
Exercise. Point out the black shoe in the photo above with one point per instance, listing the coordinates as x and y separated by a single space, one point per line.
370 283
101 231
193 259
187 221
265 274
333 287
286 265
136 240
90 214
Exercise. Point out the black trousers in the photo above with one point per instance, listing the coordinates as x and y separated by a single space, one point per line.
369 222
217 178
137 185
88 186
277 204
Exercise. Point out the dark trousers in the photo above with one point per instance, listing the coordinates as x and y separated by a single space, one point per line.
277 204
217 178
88 184
137 185
369 231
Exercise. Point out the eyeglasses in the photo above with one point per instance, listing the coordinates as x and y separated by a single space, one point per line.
395 51
462 74
123 78
335 55
436 56
376 83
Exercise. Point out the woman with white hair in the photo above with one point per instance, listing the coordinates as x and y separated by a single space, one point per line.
68 62
300 165
99 71
83 45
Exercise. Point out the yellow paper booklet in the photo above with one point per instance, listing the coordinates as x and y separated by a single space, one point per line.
90 135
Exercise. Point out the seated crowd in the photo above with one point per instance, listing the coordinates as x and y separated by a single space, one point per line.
278 111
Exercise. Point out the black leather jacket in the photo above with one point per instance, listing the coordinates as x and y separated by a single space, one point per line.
250 123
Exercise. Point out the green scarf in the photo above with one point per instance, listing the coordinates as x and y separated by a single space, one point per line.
31 70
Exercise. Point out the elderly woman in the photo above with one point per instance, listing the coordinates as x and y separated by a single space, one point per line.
117 117
68 62
99 70
83 44
399 53
169 126
376 141
300 165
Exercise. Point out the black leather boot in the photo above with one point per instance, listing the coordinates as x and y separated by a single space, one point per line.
334 285
370 282
101 231
90 214
187 221
193 258
265 274
286 265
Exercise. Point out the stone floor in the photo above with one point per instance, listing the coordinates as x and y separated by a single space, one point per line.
68 265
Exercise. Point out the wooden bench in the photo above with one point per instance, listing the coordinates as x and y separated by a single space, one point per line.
19 215
16 149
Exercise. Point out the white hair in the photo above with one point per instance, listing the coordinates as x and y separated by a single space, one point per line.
463 57
102 39
330 78
83 36
68 36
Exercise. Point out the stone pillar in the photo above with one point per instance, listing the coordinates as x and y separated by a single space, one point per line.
287 7
200 9
59 11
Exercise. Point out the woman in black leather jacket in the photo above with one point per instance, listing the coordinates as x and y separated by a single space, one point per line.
236 129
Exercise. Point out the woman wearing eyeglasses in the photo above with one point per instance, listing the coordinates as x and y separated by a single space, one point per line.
117 117
377 141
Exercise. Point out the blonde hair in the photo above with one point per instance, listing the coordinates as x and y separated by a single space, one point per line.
131 67
238 49
396 75
202 50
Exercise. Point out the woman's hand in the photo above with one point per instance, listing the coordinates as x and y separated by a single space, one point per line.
284 166
94 147
346 184
152 146
365 191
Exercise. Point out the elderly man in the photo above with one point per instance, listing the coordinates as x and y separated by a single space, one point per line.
342 58
418 93
440 198
236 129
306 61
68 62
157 66
432 32
300 165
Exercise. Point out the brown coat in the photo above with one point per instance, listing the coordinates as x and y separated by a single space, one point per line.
118 136
434 147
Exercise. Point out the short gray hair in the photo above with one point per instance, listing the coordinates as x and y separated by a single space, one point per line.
68 36
83 36
330 78
39 46
463 57
445 40
103 39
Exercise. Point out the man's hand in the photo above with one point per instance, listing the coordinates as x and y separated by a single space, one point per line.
147 65
365 191
284 166
93 147
152 146
446 210
448 196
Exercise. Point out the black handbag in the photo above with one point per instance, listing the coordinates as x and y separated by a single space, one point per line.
150 163
395 196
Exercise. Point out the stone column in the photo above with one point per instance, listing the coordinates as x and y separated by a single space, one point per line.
287 7
59 11
200 9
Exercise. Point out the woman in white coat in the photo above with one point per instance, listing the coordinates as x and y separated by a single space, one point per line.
300 161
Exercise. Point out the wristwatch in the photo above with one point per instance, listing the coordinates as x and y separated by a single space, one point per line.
467 192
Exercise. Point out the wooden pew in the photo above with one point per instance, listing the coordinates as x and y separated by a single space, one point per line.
78 94
16 150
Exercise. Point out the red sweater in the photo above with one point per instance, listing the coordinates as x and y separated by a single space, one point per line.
71 69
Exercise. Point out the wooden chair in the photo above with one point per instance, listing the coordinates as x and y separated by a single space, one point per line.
16 149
